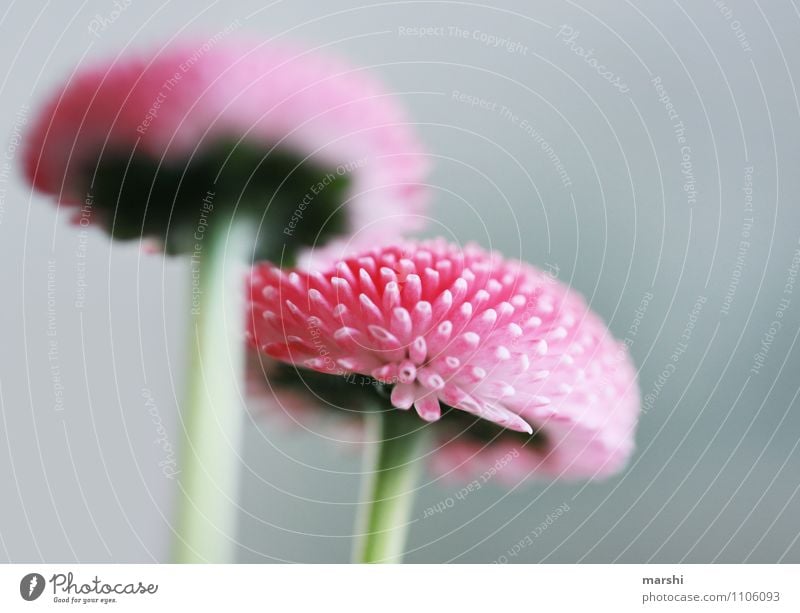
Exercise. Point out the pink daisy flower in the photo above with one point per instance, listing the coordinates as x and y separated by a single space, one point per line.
318 141
507 357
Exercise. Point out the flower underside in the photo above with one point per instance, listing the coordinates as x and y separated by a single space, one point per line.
295 203
348 396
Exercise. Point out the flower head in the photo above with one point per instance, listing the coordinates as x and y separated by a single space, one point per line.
315 146
504 350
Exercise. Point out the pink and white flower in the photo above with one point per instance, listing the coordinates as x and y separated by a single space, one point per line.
173 104
462 333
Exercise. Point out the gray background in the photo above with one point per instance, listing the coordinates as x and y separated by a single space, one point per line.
717 470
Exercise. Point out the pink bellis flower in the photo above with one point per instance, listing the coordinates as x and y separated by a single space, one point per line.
314 150
228 152
500 355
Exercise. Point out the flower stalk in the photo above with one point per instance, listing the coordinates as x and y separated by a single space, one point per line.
390 478
212 415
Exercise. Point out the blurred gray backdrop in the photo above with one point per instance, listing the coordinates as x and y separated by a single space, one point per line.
646 151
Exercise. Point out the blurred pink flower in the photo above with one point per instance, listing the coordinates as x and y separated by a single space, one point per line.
494 339
174 104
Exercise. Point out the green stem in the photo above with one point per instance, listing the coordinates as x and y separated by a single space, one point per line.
213 413
393 463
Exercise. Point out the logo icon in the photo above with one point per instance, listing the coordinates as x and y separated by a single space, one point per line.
31 586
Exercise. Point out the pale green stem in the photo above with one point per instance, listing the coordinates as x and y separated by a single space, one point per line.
212 415
392 469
